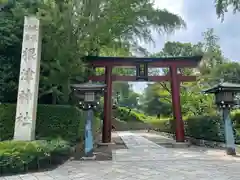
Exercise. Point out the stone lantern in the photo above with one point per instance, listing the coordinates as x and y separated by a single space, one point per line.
224 99
88 96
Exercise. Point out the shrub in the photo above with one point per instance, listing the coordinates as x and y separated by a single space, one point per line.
19 156
59 121
53 121
166 125
7 118
235 115
200 127
204 127
126 114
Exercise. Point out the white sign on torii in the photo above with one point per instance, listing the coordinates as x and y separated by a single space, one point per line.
28 81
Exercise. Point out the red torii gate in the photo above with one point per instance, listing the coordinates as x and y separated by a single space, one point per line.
142 64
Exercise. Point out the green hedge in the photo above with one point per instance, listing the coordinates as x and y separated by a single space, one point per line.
53 121
57 128
235 116
205 127
126 114
19 156
201 127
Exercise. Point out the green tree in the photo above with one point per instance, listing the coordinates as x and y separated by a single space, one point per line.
131 101
127 97
229 71
212 53
193 102
10 52
123 88
178 49
72 29
156 101
222 6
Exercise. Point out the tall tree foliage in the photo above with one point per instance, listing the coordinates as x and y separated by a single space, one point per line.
10 52
72 29
193 102
156 101
212 53
229 71
222 6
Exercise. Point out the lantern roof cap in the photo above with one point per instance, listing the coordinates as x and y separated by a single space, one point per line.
88 86
224 86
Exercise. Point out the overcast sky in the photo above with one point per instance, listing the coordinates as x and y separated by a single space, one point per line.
199 15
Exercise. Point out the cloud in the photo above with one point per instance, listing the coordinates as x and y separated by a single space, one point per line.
199 16
171 5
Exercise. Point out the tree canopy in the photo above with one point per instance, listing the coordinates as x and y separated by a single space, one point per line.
214 66
222 6
73 29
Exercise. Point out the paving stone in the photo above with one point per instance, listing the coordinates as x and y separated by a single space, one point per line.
12 178
42 175
145 160
28 177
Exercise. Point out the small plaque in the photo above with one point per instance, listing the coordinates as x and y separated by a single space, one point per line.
142 71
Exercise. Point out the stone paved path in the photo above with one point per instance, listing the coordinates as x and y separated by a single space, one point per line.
146 160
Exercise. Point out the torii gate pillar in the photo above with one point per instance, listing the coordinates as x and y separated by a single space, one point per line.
176 104
107 121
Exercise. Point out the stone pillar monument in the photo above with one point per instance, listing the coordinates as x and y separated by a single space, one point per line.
28 81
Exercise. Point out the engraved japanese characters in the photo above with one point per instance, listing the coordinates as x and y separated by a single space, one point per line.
25 96
28 80
29 54
27 75
24 119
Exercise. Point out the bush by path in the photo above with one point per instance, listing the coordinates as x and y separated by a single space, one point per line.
57 129
53 121
200 127
19 156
